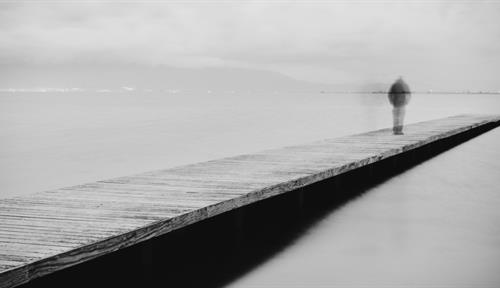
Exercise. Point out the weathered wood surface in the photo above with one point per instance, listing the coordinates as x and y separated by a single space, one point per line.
52 230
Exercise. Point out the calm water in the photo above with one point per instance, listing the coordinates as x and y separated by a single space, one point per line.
436 224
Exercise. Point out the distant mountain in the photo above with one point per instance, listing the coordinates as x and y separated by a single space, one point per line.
142 77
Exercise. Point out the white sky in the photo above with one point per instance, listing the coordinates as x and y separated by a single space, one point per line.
435 44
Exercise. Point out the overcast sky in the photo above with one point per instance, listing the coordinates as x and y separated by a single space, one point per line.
433 44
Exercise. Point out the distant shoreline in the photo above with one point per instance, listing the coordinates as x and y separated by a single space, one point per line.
209 91
415 92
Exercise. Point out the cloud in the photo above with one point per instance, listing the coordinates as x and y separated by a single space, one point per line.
318 40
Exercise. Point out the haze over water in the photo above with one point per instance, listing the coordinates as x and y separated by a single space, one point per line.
61 139
435 224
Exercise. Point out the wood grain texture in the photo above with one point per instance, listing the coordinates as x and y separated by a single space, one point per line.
52 230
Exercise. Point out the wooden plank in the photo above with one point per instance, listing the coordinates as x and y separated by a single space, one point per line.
52 230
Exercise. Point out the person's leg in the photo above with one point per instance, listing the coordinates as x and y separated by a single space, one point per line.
402 112
395 113
398 115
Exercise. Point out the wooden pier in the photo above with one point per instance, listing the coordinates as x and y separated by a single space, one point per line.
52 230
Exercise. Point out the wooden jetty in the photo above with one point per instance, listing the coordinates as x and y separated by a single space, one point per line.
52 230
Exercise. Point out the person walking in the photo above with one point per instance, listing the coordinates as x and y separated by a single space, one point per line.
399 96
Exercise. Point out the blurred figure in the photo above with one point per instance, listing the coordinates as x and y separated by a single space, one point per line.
399 96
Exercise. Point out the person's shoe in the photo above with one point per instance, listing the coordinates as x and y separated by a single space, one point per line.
398 130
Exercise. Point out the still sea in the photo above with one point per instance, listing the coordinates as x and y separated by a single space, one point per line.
436 224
